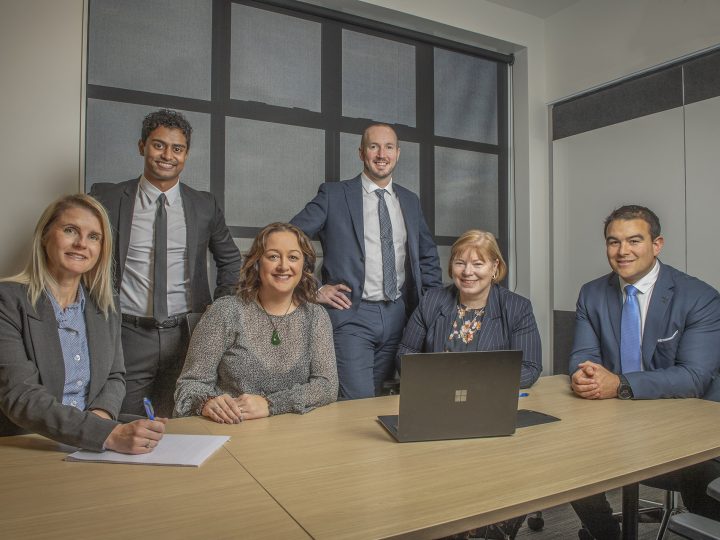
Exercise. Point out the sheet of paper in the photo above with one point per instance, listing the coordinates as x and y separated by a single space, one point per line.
178 450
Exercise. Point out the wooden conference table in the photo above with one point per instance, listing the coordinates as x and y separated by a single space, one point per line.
336 473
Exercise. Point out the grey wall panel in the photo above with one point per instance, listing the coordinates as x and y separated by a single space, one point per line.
640 161
275 58
563 333
702 78
162 46
271 170
702 140
630 99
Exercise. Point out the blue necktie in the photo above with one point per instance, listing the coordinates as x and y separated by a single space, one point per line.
630 351
386 247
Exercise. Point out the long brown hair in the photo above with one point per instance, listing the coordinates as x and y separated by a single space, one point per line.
97 280
250 276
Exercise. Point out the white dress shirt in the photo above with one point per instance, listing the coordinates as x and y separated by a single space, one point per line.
373 287
136 289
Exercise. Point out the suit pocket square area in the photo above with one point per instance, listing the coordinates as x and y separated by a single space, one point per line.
663 340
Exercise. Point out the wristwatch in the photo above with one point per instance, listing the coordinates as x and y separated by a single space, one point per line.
624 391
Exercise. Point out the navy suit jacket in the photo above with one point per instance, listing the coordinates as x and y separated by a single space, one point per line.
508 324
206 229
335 216
32 371
681 336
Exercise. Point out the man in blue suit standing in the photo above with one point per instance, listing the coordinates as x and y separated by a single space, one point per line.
645 331
378 259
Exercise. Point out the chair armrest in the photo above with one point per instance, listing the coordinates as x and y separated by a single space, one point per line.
713 489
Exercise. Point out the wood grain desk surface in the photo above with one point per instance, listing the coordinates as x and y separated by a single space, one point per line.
336 473
341 475
42 496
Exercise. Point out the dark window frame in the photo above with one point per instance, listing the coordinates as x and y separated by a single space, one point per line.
330 118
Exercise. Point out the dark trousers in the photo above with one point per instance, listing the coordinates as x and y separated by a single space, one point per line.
365 348
596 513
154 358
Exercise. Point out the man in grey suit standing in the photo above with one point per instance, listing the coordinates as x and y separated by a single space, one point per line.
162 232
645 331
378 259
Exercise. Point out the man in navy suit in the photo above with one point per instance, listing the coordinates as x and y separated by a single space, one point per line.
378 259
645 331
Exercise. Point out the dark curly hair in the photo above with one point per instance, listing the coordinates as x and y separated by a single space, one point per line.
249 285
165 118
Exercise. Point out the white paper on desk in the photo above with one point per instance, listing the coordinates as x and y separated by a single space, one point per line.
178 450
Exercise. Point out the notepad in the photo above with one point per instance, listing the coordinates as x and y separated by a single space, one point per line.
173 450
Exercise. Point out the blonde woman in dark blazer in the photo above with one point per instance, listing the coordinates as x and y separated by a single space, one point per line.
61 362
475 313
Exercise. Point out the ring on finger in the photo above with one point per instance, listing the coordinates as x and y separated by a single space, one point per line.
147 444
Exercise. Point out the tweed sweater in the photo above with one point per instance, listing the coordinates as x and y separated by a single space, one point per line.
230 353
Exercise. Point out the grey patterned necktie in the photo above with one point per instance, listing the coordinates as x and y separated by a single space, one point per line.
160 265
386 247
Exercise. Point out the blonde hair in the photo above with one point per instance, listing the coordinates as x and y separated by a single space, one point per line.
486 247
97 280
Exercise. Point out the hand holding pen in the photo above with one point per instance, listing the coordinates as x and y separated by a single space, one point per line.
139 436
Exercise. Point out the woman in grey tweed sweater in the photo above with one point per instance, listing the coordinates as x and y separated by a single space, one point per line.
268 350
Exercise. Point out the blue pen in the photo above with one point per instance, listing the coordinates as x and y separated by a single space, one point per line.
523 394
149 409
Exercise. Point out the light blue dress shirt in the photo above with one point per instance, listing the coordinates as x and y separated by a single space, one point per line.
74 345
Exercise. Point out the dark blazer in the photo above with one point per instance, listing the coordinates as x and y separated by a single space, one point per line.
206 229
32 371
681 336
335 216
508 324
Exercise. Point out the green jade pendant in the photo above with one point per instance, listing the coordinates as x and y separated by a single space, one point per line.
275 339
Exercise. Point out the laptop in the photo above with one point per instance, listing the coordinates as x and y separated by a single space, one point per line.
458 395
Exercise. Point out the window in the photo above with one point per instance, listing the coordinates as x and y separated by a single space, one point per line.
278 93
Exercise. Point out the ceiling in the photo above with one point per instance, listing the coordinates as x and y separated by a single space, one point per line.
538 8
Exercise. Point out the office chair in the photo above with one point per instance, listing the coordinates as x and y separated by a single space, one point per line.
648 512
695 527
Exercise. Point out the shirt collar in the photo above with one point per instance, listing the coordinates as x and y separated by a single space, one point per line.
645 283
369 186
79 302
152 193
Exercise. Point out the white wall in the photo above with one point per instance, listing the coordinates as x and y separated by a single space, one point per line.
40 86
597 41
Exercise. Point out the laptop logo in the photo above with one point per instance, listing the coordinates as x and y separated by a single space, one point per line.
460 396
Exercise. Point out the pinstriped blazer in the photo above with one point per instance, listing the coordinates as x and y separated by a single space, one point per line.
509 324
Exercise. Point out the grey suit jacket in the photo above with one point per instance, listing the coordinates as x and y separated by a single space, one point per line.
335 216
206 229
509 323
681 336
32 372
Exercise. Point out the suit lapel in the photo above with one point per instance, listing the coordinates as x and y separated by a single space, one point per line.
191 237
353 197
46 346
125 216
444 319
659 302
614 303
97 347
411 221
492 323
